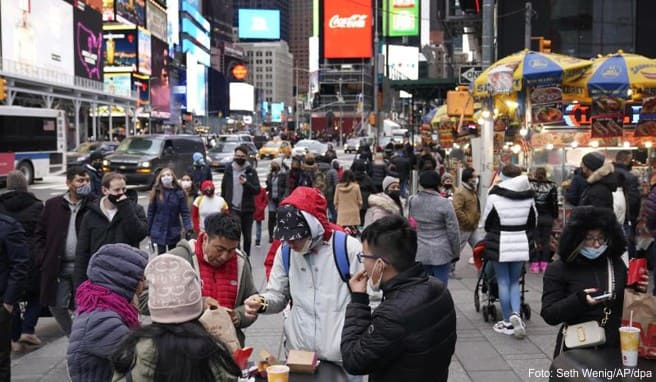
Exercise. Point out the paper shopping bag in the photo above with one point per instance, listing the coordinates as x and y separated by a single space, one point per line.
643 306
217 322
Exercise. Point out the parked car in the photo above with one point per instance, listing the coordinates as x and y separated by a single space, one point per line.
80 155
222 155
274 149
141 158
235 138
304 146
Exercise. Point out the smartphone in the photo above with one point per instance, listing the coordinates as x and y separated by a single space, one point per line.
602 297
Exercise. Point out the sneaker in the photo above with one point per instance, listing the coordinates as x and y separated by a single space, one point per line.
503 328
534 268
257 244
30 339
471 260
519 329
543 266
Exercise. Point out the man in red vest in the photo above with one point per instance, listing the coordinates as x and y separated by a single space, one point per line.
226 274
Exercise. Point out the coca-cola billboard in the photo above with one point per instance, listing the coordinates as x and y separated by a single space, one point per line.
347 29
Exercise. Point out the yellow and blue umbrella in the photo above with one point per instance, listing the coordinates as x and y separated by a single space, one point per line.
621 75
527 69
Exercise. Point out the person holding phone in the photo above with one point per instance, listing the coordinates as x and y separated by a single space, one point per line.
576 286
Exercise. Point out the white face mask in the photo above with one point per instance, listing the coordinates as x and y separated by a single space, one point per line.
185 183
167 181
306 247
375 285
474 182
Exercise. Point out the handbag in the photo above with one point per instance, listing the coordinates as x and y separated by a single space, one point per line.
590 333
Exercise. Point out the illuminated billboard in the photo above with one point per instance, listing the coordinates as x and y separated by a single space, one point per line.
141 84
402 17
145 58
173 24
277 111
196 89
120 48
347 29
108 13
259 24
118 83
131 11
156 20
242 96
38 33
403 62
88 38
160 85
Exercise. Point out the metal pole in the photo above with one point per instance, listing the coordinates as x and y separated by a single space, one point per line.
527 26
487 46
375 61
76 105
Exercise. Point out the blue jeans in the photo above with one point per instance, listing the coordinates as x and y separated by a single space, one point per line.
508 281
441 272
258 231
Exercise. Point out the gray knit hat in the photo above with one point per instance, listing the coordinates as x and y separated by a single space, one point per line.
118 267
16 181
593 160
389 180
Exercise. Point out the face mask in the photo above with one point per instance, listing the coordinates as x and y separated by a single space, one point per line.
114 199
306 246
474 182
375 285
240 161
185 183
167 181
83 190
593 253
395 194
97 165
209 192
447 185
275 169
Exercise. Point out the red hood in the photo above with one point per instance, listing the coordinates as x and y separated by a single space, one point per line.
314 203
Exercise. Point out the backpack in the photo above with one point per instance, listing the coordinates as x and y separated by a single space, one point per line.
340 254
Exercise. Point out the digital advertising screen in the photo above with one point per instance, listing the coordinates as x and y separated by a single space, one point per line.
242 96
403 62
142 87
277 110
108 12
38 33
156 20
131 11
200 37
196 89
402 17
88 40
118 83
145 52
120 48
347 21
160 84
173 24
259 24
95 4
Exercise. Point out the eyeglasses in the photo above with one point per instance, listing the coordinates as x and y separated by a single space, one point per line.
599 240
361 256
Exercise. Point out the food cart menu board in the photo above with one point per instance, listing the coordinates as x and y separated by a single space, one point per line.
646 126
607 116
547 105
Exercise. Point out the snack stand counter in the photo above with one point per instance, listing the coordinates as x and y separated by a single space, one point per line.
326 372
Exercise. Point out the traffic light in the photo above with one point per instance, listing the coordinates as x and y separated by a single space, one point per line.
3 89
545 46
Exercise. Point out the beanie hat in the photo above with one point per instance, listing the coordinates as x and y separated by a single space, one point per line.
174 290
197 157
429 180
389 180
206 184
593 160
447 176
95 155
118 267
16 181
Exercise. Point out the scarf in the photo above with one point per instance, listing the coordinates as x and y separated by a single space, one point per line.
91 297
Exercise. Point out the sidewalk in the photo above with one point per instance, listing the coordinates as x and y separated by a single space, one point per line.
481 354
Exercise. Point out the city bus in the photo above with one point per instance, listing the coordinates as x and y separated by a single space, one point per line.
32 140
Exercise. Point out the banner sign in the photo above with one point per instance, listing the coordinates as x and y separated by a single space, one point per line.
347 29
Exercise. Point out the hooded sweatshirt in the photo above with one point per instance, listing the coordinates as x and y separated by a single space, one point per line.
313 282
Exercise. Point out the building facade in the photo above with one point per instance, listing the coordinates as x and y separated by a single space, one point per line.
271 70
300 31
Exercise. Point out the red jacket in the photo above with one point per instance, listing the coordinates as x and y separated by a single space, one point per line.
261 201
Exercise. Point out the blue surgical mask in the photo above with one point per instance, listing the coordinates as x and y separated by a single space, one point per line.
593 253
83 190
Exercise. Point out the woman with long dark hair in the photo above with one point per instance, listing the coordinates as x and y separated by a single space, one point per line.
168 204
176 347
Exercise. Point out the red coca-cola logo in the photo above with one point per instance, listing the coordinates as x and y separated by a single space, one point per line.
353 21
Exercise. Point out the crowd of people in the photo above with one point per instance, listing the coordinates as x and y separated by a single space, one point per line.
361 264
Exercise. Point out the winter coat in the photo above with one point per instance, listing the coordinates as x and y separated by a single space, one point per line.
332 178
601 185
14 260
128 226
438 235
251 188
402 165
313 323
380 205
245 284
26 208
282 186
378 174
563 299
467 208
631 186
145 358
411 336
261 202
164 214
199 174
348 201
510 219
546 198
95 180
650 205
50 242
576 188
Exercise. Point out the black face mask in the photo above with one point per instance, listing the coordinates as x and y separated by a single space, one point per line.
97 165
448 186
240 161
209 192
114 199
394 194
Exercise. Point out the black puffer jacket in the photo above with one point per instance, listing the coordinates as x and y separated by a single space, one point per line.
563 299
601 185
378 174
411 336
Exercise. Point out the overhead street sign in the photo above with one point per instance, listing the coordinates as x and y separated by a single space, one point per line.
468 73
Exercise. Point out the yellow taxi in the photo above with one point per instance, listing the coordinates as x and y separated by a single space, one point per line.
274 149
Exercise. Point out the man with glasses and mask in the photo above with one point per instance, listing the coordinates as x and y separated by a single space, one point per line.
239 186
114 218
411 336
224 269
56 236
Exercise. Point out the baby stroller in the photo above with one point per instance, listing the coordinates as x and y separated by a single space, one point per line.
487 285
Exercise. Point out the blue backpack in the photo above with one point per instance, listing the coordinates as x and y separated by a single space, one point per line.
340 254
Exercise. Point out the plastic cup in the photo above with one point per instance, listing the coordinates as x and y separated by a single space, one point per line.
629 343
278 373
